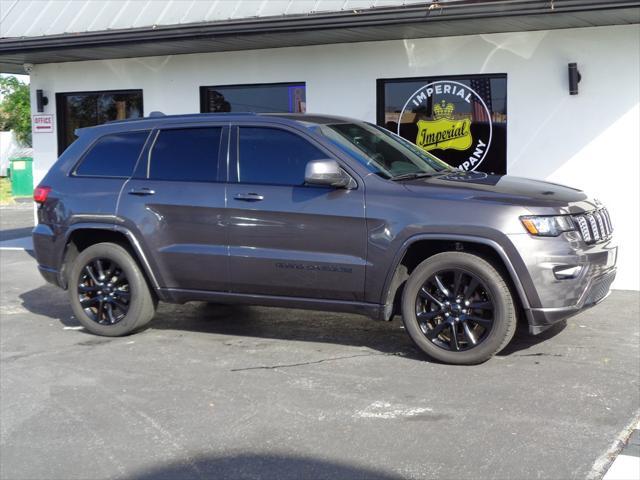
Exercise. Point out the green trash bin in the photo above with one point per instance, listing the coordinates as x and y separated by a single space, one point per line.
21 176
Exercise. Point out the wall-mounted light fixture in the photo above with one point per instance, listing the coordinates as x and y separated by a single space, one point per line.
574 78
41 101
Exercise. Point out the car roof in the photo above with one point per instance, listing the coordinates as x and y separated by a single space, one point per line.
158 119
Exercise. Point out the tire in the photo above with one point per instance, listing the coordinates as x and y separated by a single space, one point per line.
479 319
125 303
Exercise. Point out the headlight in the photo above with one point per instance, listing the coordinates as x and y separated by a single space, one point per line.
547 226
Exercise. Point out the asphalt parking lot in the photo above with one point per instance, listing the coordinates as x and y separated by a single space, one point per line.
242 392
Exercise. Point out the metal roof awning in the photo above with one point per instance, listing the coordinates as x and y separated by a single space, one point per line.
453 18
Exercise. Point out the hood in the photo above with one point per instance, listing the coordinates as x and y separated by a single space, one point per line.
505 189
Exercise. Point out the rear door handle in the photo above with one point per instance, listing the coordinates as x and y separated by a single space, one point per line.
142 191
248 197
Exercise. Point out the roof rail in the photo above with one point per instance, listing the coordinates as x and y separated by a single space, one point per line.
157 114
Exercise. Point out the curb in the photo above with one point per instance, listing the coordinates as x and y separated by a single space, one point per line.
629 466
626 466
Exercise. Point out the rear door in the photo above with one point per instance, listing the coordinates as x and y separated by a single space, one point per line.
175 206
287 238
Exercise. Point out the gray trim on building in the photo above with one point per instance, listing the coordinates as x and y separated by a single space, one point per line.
430 20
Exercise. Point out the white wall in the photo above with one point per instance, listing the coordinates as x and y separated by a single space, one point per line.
590 140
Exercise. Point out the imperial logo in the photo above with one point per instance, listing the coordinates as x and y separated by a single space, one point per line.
445 112
445 131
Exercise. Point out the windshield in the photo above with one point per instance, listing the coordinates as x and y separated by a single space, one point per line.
381 151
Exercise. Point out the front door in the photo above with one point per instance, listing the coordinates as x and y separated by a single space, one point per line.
175 205
286 238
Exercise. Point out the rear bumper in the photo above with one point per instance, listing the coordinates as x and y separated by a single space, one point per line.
51 275
44 247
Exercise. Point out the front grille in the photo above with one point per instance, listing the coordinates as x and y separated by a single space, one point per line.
594 226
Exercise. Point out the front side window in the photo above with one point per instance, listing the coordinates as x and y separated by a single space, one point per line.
86 109
273 156
113 155
186 154
381 151
263 98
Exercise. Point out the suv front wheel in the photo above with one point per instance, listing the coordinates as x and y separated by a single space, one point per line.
109 294
457 308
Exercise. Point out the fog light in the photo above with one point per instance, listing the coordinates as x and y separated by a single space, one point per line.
566 272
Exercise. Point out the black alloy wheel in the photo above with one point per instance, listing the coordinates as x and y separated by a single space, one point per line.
103 291
455 310
458 308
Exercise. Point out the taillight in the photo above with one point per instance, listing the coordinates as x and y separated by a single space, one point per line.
40 194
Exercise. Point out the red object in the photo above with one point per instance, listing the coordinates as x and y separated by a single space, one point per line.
40 194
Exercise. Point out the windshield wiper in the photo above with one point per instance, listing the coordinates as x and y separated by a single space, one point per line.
412 175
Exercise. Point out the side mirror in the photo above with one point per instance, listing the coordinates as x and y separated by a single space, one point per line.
326 172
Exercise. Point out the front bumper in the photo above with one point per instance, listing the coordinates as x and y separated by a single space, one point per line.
553 297
540 319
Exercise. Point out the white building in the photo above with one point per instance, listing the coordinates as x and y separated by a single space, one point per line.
100 60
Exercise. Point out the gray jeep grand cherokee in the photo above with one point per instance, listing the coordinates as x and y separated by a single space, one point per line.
313 212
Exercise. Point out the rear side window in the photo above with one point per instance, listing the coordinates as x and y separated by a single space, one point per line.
273 156
113 155
186 154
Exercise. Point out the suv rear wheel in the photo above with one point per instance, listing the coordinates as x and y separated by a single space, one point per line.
457 308
109 294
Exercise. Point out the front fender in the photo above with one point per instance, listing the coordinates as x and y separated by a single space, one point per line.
505 250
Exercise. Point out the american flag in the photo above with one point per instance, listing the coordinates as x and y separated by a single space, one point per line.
482 86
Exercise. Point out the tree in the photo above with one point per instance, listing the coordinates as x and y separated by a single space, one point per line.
15 108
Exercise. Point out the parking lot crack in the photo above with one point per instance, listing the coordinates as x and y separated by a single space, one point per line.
302 364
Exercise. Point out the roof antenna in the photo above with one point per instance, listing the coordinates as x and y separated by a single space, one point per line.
156 113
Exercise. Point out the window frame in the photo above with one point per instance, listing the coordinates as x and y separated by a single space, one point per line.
73 172
205 88
143 168
62 111
234 154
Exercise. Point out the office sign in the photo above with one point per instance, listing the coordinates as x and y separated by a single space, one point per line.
42 123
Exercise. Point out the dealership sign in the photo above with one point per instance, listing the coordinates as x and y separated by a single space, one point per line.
445 112
42 123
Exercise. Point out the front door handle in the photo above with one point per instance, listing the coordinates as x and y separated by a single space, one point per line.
142 191
248 197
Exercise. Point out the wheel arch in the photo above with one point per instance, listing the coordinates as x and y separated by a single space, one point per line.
82 235
420 247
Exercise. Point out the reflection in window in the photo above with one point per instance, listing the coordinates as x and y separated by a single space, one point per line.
263 98
86 109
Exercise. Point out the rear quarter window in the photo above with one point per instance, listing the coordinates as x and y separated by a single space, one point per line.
113 155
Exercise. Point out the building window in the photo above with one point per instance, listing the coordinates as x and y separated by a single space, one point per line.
266 97
460 119
86 109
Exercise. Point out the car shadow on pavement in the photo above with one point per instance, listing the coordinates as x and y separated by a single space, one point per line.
263 466
272 323
51 302
523 340
288 324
